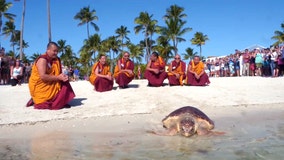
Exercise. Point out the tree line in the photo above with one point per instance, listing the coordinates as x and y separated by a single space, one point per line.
166 43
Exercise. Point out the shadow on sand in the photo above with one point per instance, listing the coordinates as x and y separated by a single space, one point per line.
77 102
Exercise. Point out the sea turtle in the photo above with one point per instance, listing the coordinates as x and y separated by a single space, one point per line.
188 121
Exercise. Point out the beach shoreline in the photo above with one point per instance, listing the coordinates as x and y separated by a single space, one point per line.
114 124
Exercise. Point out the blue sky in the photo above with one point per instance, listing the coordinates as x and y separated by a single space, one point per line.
229 24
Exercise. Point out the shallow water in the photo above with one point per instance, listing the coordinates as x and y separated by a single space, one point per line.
252 136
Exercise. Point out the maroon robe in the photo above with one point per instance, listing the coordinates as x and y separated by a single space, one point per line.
123 78
65 95
202 81
156 80
103 84
179 68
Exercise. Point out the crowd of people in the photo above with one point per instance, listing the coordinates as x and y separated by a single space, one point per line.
13 71
49 80
266 62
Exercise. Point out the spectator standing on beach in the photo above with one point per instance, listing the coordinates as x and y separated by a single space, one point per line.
5 68
280 51
258 61
231 66
155 70
16 73
212 68
246 63
240 58
237 65
252 64
76 74
196 75
208 64
273 63
123 72
222 67
177 70
217 67
101 76
49 87
27 74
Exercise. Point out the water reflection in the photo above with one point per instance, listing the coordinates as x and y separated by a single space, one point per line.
244 139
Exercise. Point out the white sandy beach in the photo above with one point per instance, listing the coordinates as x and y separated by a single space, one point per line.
114 124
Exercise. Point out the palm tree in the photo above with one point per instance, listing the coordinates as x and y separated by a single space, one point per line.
24 45
89 49
62 46
279 36
111 45
175 25
35 56
121 34
175 13
164 48
148 27
10 30
3 12
199 39
189 54
68 58
22 29
87 17
136 52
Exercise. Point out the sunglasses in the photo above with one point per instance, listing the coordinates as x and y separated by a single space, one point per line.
177 58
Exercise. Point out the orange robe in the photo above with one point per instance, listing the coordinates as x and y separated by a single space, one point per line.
49 95
198 68
123 78
101 84
156 80
178 68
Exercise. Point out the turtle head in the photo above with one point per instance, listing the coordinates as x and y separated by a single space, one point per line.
187 127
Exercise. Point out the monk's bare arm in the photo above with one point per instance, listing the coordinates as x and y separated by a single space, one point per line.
118 64
41 67
189 69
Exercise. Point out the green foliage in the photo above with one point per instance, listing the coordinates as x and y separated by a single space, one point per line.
142 68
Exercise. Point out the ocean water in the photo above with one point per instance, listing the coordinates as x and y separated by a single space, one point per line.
253 136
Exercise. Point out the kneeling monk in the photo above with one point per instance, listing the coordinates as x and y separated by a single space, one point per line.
49 87
176 73
196 75
101 76
155 70
123 72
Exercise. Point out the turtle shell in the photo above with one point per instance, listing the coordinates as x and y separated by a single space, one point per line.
188 112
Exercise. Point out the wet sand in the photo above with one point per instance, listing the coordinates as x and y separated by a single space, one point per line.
251 119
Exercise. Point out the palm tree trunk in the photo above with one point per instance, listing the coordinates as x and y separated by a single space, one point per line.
48 20
200 50
175 45
22 30
147 49
88 32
